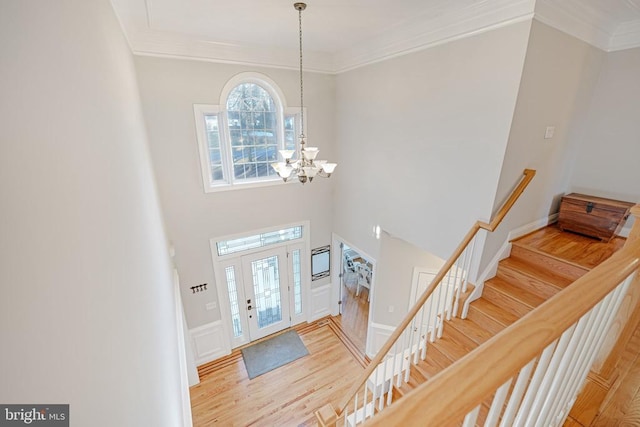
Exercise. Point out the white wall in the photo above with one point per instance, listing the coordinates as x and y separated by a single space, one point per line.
437 121
87 310
608 148
557 83
169 88
394 273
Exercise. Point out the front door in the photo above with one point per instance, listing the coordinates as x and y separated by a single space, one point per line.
266 292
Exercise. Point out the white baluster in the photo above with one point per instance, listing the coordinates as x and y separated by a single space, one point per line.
496 406
516 395
563 359
538 375
470 419
420 333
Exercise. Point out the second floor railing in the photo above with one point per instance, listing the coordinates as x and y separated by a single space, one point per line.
530 373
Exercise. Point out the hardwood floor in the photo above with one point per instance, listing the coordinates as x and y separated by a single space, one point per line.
287 396
355 315
584 251
622 407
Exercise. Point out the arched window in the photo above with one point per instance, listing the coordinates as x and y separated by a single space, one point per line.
240 138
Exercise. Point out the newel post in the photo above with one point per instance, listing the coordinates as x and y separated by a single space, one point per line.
604 371
327 416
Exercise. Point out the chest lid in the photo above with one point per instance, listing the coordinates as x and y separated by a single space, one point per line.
593 202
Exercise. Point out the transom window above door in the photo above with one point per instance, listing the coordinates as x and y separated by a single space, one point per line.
239 139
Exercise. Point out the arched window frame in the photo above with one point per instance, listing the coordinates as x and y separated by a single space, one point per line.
206 113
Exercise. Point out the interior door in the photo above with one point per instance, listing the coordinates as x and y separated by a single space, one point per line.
266 292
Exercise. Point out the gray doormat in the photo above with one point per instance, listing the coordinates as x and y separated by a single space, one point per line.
270 354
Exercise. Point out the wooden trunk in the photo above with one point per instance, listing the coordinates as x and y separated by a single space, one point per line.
593 216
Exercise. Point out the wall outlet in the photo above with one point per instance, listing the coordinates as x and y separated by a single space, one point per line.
211 305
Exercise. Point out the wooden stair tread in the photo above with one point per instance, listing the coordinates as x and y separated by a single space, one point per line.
581 250
427 368
545 261
497 313
514 292
536 272
454 344
471 329
415 379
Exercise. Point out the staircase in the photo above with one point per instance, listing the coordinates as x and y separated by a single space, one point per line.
540 265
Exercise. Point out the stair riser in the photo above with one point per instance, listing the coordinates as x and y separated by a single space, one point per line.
507 302
531 284
552 265
484 319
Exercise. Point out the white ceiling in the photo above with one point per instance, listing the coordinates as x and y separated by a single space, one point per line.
343 34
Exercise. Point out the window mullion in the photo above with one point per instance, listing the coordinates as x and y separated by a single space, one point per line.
227 166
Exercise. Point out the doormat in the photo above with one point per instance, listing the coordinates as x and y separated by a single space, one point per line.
270 354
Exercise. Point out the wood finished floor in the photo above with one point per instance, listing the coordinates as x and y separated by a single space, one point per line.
580 250
287 396
355 315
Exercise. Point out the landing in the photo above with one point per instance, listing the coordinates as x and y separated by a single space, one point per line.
584 251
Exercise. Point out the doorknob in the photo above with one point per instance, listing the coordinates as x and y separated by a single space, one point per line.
249 307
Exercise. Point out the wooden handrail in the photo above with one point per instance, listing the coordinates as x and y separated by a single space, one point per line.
452 393
528 176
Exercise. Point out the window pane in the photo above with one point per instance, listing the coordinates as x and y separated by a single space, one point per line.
253 131
290 137
213 142
233 299
226 247
266 287
297 282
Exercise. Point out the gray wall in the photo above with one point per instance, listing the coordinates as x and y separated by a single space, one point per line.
87 307
394 273
169 88
608 147
421 139
557 84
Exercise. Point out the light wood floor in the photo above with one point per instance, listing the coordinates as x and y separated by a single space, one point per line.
355 315
622 407
287 396
583 251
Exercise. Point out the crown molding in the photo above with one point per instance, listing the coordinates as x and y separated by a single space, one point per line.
595 28
626 36
422 33
572 20
146 42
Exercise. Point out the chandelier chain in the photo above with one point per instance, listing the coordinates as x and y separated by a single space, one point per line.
301 79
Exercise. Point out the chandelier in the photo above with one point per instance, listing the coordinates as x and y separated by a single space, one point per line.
305 167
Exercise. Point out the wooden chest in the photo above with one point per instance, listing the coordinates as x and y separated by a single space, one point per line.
593 216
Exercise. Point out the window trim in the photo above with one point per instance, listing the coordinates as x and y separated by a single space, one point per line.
200 110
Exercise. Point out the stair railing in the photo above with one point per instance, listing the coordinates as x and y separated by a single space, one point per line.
531 372
407 345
